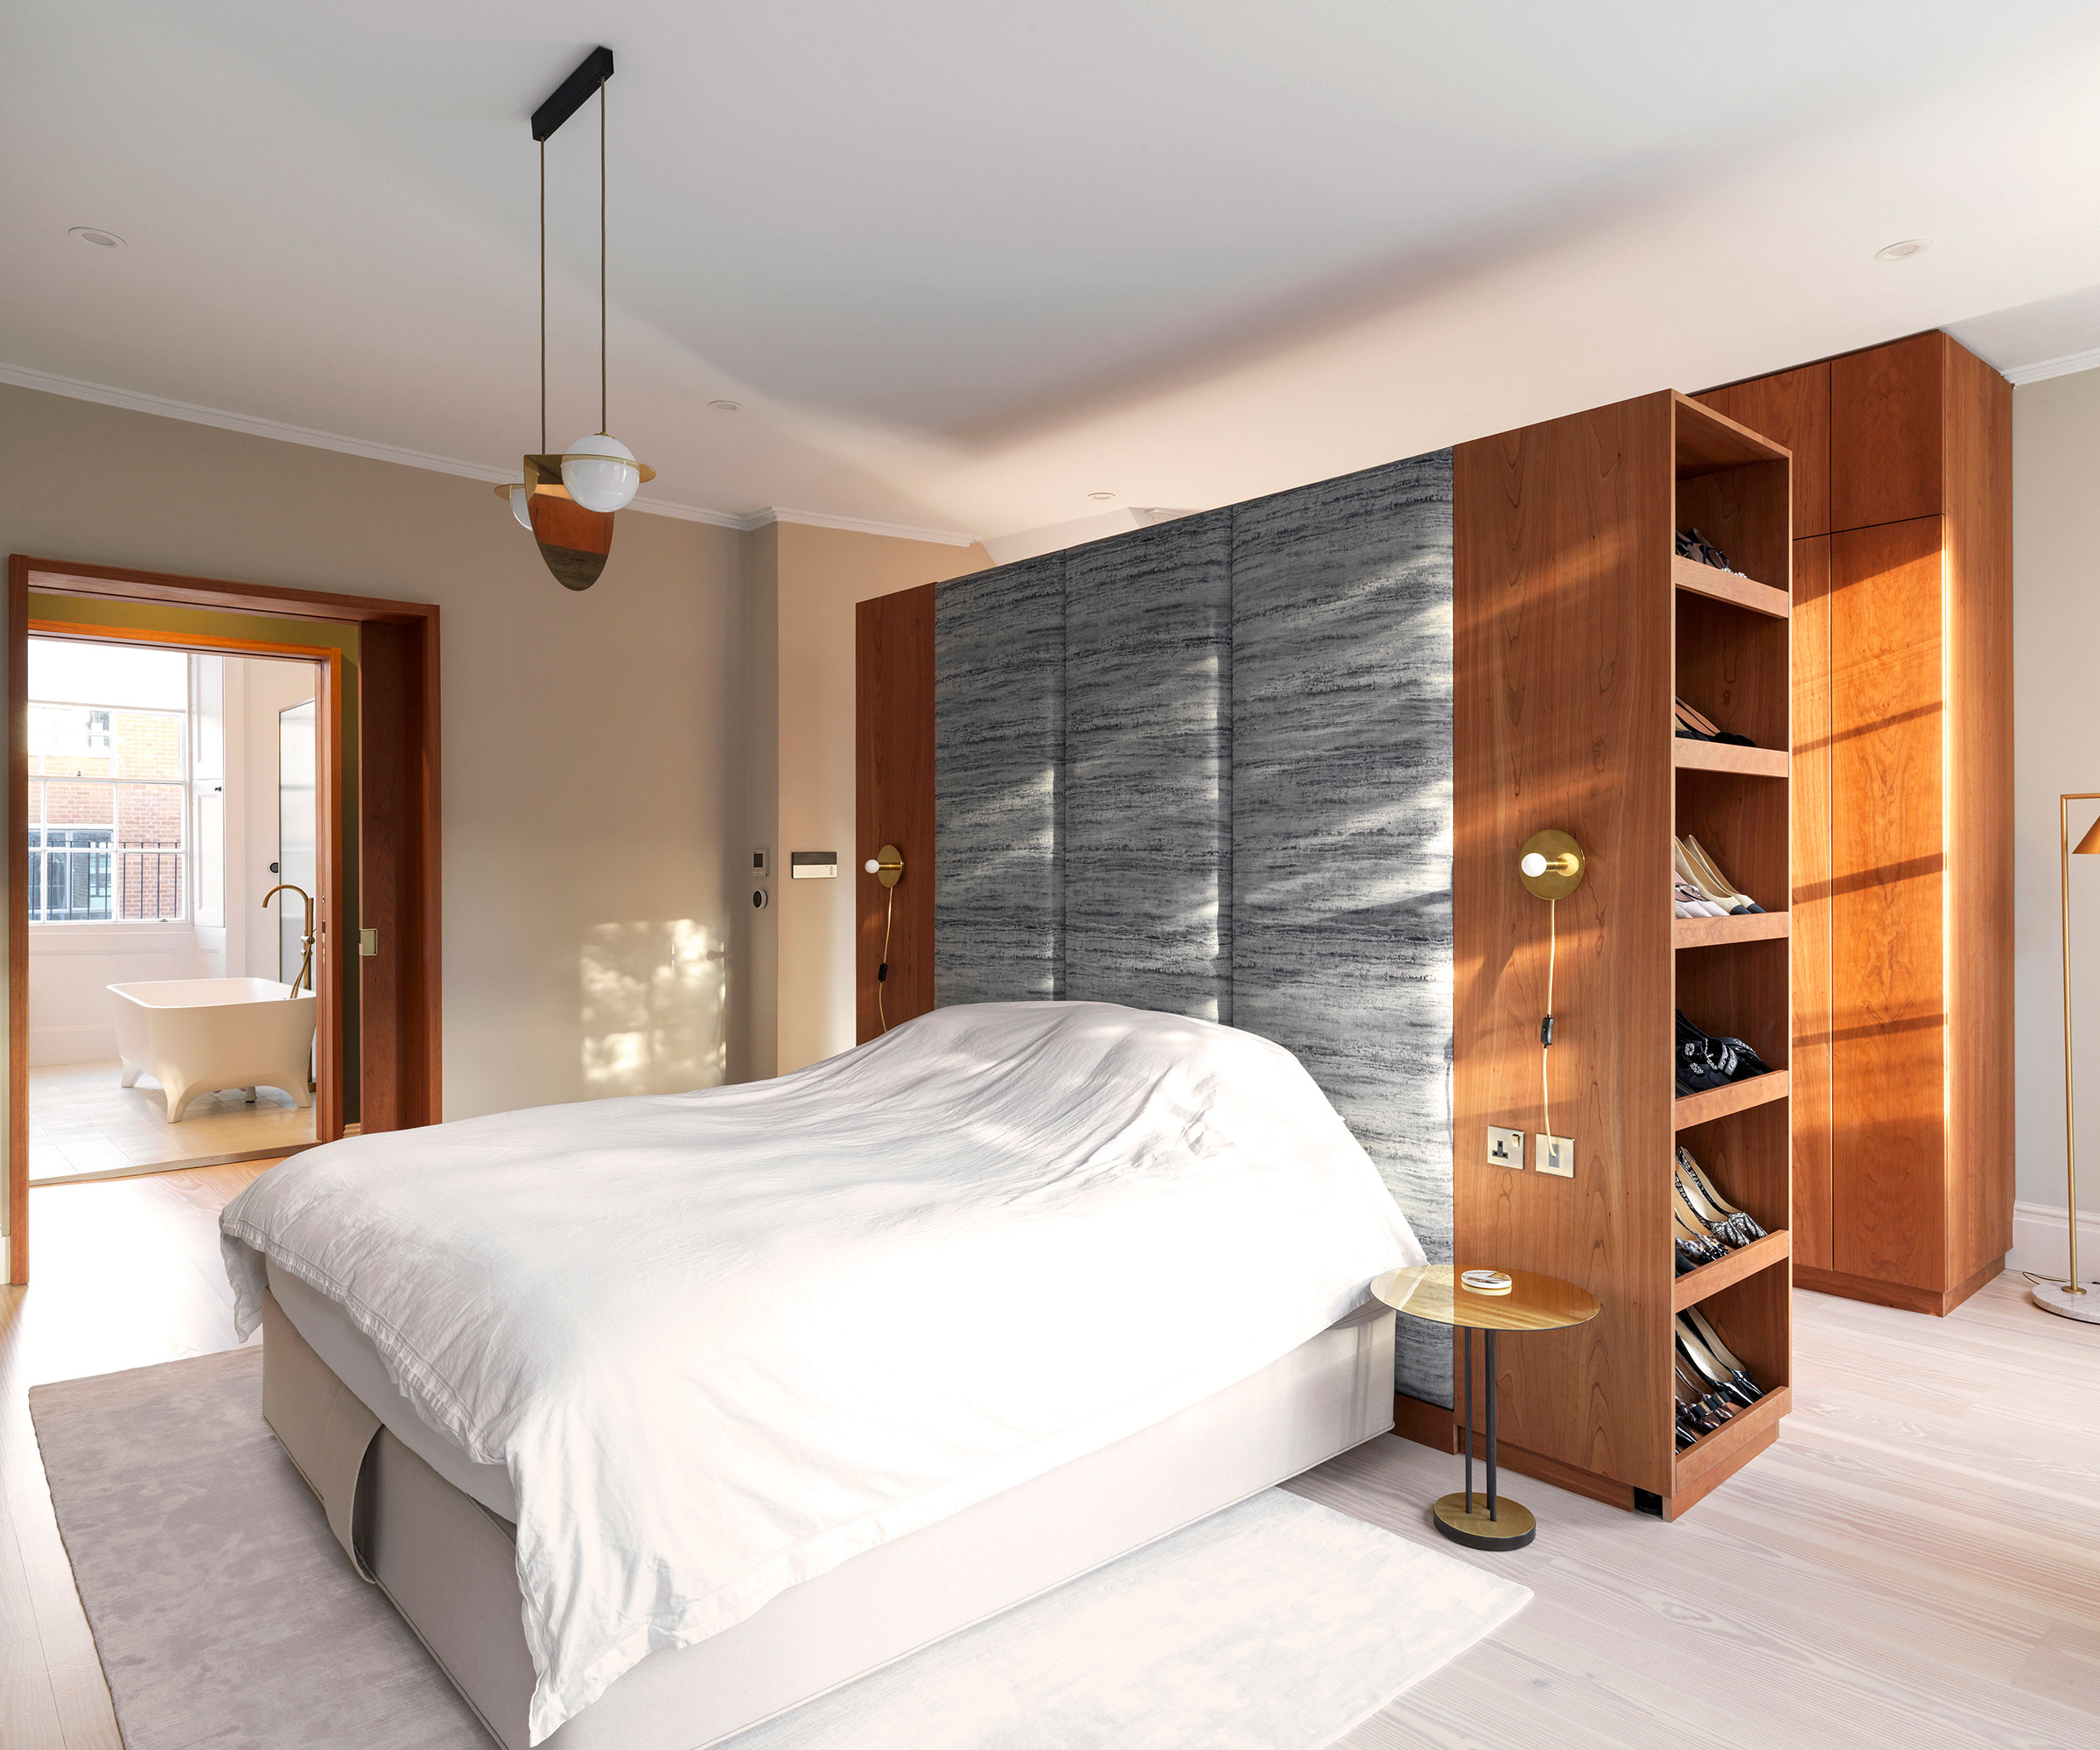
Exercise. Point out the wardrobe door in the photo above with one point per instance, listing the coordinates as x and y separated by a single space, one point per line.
1811 903
1886 445
1887 880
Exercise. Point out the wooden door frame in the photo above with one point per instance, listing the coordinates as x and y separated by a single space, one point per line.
418 998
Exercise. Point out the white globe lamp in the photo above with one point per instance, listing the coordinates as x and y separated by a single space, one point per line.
601 472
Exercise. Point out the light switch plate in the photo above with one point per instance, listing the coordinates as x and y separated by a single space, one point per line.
1505 1148
1556 1156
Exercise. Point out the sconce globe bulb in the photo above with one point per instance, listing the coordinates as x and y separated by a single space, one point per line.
601 472
872 866
1533 864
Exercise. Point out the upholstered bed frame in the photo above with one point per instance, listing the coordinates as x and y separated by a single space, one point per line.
447 1560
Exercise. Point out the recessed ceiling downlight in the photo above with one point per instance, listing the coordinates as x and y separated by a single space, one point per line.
1903 251
727 406
1103 497
95 237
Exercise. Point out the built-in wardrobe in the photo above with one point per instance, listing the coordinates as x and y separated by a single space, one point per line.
1902 914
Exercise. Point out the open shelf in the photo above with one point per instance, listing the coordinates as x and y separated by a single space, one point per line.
1737 1096
1720 932
1739 1440
1695 1285
1728 586
1723 756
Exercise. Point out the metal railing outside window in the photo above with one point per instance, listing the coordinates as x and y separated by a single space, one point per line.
78 875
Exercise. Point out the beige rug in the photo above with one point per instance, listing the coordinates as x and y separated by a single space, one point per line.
226 1615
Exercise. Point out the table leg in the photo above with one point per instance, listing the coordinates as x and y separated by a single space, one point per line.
1491 1500
1468 1402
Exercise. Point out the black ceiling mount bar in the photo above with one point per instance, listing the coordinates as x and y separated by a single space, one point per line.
570 94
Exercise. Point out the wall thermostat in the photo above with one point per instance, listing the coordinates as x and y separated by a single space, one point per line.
761 863
757 899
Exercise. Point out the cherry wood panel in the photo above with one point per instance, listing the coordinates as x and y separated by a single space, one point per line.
1690 1290
1689 1109
398 1063
1888 1051
1718 932
1938 1302
1718 756
1703 1467
1793 409
1886 452
1703 441
1703 579
1811 904
1563 669
894 804
1978 533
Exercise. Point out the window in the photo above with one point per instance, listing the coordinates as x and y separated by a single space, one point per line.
108 783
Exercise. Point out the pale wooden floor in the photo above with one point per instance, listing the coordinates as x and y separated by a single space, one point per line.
1916 1563
81 1122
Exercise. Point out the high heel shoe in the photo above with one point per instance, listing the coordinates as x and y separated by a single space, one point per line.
1713 878
1691 1223
1709 1205
1733 1382
1688 902
1719 1350
1696 1073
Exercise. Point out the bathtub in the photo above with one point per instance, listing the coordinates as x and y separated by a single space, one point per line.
194 1035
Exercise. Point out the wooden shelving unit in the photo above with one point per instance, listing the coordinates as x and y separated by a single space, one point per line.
1569 597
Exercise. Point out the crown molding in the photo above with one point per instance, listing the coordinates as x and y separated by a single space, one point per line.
136 402
858 525
2045 368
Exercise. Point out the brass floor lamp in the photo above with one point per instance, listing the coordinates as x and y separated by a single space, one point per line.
2072 1299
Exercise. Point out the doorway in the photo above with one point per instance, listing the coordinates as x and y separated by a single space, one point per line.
172 1001
370 709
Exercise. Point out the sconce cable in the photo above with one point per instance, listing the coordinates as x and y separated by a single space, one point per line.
882 969
1546 1027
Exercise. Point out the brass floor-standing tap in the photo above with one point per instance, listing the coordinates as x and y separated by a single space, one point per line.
305 976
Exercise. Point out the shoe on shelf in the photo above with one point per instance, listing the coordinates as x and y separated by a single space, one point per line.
1697 869
1689 902
1694 1227
1695 725
1690 545
1697 1344
1708 1204
1704 1062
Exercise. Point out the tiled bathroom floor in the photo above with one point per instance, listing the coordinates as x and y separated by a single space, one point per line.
81 1124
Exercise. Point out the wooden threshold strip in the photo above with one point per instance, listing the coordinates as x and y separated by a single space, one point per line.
1710 1278
1737 1096
1694 579
1718 932
1723 756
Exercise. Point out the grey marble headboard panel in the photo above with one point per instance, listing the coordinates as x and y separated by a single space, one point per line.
1206 767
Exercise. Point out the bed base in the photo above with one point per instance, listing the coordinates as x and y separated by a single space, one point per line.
448 1563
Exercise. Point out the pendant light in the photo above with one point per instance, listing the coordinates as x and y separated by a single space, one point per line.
568 501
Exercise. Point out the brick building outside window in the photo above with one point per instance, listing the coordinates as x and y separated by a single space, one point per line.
108 797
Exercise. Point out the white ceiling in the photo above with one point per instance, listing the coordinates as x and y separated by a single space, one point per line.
966 265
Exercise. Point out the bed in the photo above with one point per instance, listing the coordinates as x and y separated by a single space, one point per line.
655 1417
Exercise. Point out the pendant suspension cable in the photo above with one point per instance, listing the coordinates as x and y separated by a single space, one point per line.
601 257
542 297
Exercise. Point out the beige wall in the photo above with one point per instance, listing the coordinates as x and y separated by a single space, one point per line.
2056 653
590 741
808 580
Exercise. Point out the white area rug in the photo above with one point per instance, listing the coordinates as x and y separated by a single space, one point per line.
225 1615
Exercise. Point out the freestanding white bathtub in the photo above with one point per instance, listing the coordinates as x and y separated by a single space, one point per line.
193 1035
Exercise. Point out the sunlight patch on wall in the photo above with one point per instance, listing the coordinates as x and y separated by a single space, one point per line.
654 996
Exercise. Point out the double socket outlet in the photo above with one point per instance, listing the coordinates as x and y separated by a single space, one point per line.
1554 1156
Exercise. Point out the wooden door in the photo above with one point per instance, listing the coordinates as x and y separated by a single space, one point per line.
893 804
396 962
1888 882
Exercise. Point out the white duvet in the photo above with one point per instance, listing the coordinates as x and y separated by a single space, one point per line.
725 1340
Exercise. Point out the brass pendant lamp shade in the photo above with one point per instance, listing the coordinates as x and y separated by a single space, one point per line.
2071 1298
567 500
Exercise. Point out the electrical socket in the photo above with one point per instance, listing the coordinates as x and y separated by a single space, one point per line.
1556 1156
1505 1148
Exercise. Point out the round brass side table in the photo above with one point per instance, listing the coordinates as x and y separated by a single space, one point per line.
1533 1303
